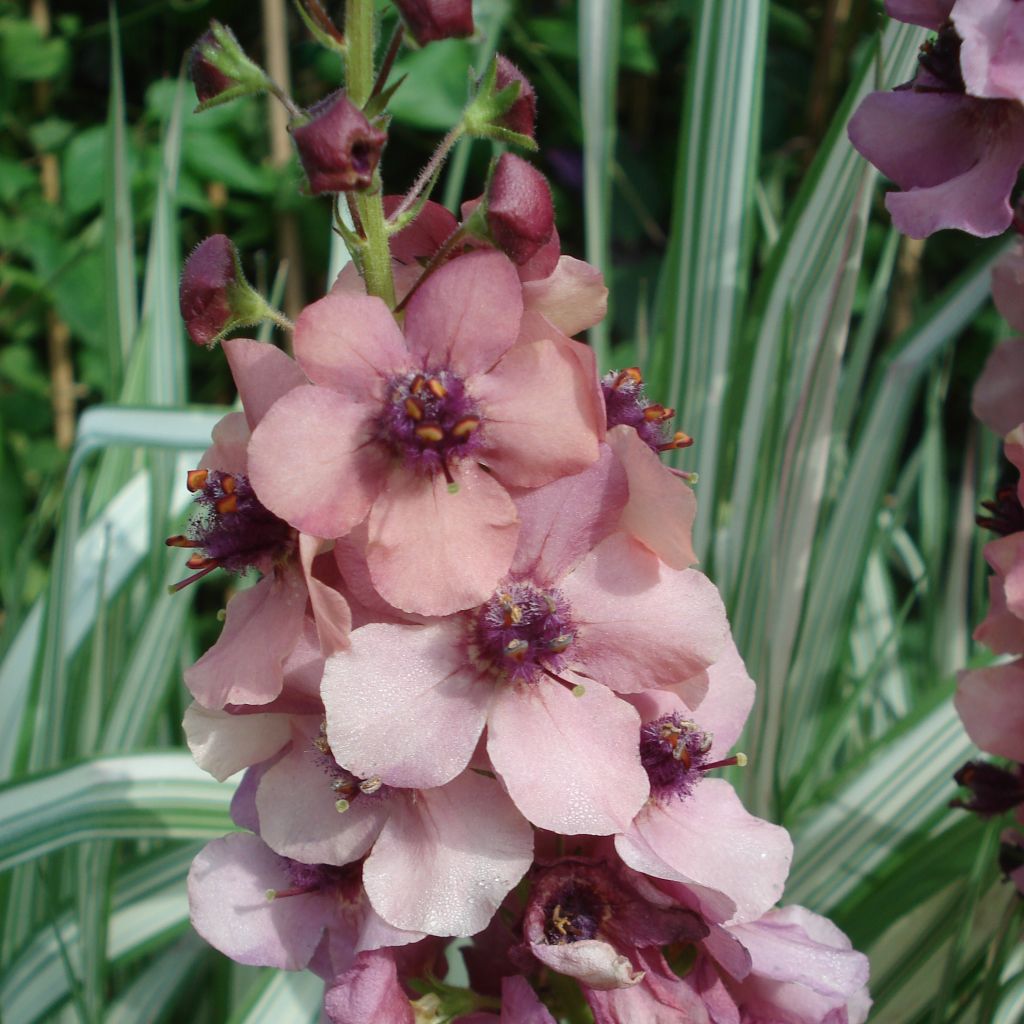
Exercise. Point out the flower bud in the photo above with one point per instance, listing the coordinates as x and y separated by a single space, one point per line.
214 295
338 147
503 107
429 20
521 117
519 212
220 70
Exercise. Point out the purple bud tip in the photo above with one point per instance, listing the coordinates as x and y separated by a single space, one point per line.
204 297
208 80
522 115
430 20
338 147
520 214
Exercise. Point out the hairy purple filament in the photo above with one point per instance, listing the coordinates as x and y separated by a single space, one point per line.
430 420
345 786
342 882
626 404
232 530
674 752
525 631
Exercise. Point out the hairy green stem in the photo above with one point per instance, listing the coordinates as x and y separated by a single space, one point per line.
359 29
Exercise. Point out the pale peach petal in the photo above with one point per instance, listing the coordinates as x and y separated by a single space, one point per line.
573 298
312 463
262 375
350 343
223 744
433 552
330 610
466 315
229 451
661 506
990 702
998 399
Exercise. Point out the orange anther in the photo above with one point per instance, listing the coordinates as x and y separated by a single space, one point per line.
465 427
228 483
658 413
437 388
200 562
430 432
227 504
414 408
631 373
196 479
181 541
417 383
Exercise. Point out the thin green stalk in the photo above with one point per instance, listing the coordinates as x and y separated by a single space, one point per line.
359 30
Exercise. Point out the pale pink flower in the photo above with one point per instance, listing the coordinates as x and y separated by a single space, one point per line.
992 52
581 609
260 908
694 830
264 623
438 861
990 702
423 433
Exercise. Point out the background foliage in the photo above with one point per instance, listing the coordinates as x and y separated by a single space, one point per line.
823 364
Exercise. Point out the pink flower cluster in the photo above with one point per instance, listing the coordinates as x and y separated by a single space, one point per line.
990 700
478 689
952 138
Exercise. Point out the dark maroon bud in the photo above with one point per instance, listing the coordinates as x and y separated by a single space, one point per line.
993 790
208 79
430 20
521 117
214 295
338 147
520 214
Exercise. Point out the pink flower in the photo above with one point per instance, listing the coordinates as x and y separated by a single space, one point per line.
424 433
440 861
992 53
953 150
693 830
263 909
580 609
1008 294
236 531
990 702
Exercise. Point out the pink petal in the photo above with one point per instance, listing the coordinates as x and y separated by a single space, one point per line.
312 462
350 343
978 200
661 998
366 604
223 744
573 298
521 1005
565 519
592 962
730 696
661 506
640 623
229 451
369 991
710 840
404 704
227 895
424 236
299 819
1000 631
433 552
998 399
543 262
466 316
1008 289
448 857
262 375
992 53
571 764
539 420
990 701
926 13
244 666
330 609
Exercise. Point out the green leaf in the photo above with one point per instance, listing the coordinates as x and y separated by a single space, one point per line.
26 56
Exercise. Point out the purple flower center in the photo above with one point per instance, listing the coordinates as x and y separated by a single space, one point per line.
940 59
345 786
575 912
674 752
525 631
1006 514
232 529
626 404
429 420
